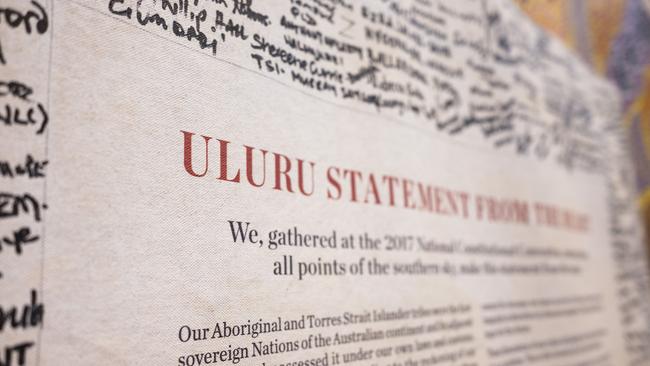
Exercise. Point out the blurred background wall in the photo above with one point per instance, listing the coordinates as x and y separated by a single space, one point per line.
613 36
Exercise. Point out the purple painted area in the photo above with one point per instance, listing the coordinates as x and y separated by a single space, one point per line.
630 53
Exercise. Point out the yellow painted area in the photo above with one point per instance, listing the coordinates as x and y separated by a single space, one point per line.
644 200
603 20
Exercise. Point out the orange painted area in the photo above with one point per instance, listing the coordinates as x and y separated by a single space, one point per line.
604 18
552 15
640 111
